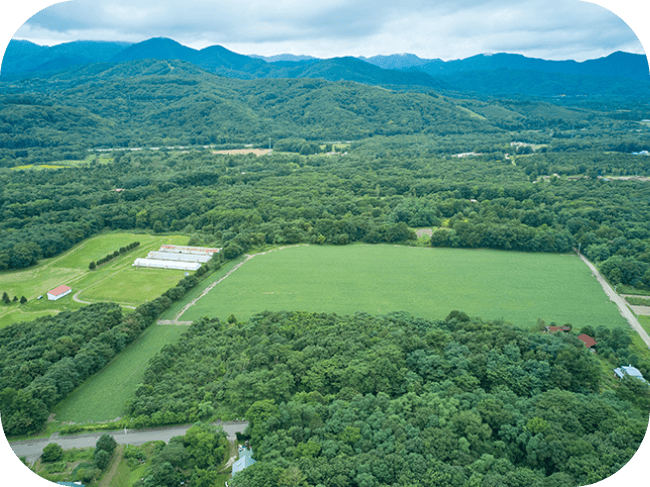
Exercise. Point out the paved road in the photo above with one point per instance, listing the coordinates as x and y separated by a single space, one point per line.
620 302
32 449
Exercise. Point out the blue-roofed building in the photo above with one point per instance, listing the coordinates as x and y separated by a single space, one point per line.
245 460
629 370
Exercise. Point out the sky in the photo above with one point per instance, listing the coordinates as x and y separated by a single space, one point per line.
444 29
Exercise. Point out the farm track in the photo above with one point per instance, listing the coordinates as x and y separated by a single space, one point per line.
619 301
176 320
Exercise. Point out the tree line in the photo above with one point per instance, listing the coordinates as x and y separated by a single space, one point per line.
123 250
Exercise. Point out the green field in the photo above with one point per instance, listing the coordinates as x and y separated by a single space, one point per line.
102 396
514 286
116 280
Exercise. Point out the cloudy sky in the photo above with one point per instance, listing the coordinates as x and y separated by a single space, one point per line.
446 29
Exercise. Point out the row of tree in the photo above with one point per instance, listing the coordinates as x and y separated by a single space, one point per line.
114 255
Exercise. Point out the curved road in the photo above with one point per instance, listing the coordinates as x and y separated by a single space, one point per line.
620 302
32 449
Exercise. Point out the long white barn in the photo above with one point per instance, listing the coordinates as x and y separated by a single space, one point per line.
179 257
167 264
185 249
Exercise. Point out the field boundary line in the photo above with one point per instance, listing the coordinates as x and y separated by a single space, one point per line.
176 320
619 301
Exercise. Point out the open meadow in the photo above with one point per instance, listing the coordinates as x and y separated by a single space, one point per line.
116 280
102 397
428 282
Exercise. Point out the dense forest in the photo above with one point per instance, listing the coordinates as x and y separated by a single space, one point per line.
396 400
373 191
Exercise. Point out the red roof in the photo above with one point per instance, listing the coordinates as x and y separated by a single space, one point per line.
59 290
588 341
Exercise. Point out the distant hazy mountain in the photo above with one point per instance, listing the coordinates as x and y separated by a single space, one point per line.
616 64
397 61
496 74
283 57
25 56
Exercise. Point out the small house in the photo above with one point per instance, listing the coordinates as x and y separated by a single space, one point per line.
587 340
629 370
58 292
245 460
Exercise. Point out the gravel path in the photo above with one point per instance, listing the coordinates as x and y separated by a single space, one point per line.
620 302
32 449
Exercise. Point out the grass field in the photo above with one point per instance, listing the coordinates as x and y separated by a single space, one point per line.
102 396
116 279
644 321
514 286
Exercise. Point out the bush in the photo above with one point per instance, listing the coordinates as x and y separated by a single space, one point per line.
106 443
56 467
102 459
52 453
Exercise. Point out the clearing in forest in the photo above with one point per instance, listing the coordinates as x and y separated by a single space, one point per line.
103 396
428 282
115 281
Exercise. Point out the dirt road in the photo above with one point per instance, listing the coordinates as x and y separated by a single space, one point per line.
620 302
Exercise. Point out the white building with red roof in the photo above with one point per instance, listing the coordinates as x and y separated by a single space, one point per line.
59 292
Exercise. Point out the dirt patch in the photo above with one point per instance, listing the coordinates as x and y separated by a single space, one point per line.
257 152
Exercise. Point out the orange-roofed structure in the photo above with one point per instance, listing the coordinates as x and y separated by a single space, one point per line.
58 292
587 340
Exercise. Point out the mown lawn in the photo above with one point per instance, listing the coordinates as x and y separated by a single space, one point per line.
102 397
513 286
116 280
133 286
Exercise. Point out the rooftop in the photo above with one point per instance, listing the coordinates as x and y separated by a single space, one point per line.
59 290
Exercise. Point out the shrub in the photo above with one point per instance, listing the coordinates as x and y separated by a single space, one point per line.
106 443
52 453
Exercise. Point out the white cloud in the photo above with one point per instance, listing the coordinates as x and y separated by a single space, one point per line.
553 29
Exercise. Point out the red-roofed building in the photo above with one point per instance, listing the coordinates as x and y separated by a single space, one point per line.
58 292
587 340
553 328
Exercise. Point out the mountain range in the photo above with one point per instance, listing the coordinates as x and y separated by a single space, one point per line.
487 74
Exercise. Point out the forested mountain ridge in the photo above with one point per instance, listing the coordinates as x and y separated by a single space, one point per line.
57 115
625 72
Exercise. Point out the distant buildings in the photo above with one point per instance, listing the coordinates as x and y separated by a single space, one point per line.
178 257
629 370
58 293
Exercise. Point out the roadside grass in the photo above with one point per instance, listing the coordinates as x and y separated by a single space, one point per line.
427 282
638 301
627 289
71 268
103 396
127 472
644 321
